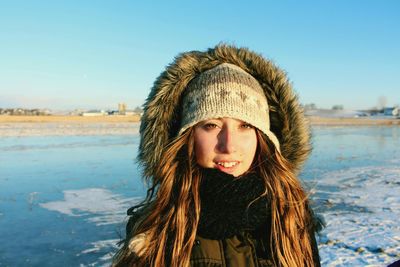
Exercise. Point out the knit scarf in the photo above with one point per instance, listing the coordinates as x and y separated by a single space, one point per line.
230 205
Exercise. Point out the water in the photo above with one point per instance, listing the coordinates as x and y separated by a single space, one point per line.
60 196
63 198
354 174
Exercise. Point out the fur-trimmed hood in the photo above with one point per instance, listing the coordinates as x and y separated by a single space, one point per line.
161 119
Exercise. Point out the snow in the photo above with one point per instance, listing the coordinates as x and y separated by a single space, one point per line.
102 205
362 217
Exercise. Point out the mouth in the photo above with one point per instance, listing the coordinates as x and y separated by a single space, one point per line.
227 166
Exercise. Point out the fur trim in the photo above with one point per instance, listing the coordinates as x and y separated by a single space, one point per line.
160 121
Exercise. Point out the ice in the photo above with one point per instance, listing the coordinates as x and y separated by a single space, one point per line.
99 206
103 206
103 246
362 217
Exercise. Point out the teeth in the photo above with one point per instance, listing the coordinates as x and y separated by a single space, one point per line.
227 164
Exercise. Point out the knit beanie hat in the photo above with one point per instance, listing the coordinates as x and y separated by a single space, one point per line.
226 91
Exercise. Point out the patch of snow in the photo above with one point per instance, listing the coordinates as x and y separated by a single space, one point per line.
102 206
101 247
362 217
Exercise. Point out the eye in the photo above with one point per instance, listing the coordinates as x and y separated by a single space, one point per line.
209 126
246 126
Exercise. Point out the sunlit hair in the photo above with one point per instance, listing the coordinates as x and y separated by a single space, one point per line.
172 209
290 241
172 212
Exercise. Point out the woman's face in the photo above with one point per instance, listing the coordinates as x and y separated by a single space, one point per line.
226 144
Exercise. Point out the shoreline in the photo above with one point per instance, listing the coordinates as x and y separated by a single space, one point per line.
362 121
69 119
21 126
313 120
27 126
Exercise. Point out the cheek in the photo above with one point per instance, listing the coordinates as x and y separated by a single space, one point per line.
203 149
254 149
249 146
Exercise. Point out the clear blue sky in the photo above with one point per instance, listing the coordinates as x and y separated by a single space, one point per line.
94 54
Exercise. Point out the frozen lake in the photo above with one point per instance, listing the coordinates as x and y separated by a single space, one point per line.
63 198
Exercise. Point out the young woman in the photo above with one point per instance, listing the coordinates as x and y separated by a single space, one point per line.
222 140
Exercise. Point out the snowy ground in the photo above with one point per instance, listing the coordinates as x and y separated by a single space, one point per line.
362 215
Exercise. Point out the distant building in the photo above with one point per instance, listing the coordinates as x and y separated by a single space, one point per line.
92 113
394 111
121 108
25 112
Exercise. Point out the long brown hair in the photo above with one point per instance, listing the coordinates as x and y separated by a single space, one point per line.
290 240
170 218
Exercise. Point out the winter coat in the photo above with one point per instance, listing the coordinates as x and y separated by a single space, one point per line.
240 250
237 251
161 121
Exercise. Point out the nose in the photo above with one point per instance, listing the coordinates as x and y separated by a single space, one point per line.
226 141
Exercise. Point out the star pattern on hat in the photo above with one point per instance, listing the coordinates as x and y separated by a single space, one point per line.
224 93
243 96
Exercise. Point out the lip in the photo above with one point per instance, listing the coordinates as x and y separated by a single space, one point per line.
227 169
